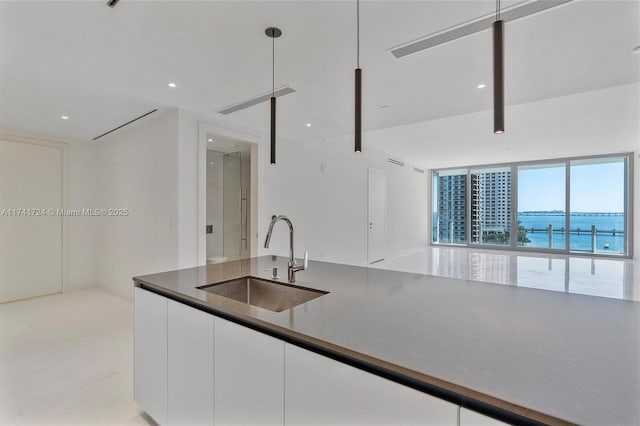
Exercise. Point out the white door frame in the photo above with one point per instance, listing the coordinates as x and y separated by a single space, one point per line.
204 129
63 146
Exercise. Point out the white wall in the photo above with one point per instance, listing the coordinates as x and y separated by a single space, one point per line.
137 169
329 208
188 196
82 230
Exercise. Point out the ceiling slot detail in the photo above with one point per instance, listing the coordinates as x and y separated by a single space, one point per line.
125 124
256 100
396 162
418 170
520 10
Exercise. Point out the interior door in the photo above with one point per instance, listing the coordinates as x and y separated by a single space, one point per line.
30 234
377 238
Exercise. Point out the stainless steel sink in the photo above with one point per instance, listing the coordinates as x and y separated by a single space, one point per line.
271 295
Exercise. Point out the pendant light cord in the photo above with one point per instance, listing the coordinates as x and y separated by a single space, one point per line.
358 33
497 10
273 66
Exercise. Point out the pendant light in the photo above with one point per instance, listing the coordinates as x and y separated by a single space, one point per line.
498 72
273 33
358 87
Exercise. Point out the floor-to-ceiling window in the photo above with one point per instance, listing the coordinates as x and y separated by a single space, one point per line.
542 202
597 205
578 205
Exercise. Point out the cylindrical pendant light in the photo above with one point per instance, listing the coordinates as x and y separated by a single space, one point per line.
498 72
358 86
273 130
273 33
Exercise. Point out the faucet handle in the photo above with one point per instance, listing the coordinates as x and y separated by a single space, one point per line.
306 259
274 272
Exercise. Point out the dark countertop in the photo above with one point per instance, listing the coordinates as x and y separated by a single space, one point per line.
551 357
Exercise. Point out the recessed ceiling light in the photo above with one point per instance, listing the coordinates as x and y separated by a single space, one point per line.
172 85
636 50
209 140
308 124
385 107
481 86
64 117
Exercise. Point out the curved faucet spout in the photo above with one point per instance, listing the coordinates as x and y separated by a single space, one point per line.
275 219
293 268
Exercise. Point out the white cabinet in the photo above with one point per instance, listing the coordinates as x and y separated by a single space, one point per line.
192 368
321 391
150 353
249 376
190 365
471 418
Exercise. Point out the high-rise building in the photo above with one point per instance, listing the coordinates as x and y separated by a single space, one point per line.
452 209
490 207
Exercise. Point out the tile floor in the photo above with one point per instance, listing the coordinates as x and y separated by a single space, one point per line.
615 278
68 360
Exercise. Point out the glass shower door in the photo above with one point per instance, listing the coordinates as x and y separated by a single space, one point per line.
236 190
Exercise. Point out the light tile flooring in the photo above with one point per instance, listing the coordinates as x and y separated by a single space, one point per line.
68 360
615 278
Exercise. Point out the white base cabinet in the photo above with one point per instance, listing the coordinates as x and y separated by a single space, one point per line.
249 376
150 353
190 365
321 391
192 368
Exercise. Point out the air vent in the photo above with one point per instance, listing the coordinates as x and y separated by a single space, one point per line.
418 170
123 125
396 162
520 10
256 100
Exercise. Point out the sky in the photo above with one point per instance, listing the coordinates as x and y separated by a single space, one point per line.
594 188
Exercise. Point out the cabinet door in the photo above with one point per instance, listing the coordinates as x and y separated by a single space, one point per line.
321 391
249 376
150 353
190 365
471 418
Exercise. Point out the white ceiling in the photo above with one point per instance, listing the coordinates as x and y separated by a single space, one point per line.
103 67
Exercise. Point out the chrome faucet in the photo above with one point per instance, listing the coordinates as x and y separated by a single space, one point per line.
293 266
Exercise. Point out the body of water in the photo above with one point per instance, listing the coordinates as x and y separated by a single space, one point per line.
579 242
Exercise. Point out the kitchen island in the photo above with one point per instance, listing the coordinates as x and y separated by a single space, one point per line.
518 355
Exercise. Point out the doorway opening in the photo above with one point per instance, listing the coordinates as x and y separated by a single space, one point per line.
228 199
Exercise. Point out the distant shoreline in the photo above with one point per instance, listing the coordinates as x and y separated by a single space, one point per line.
562 213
